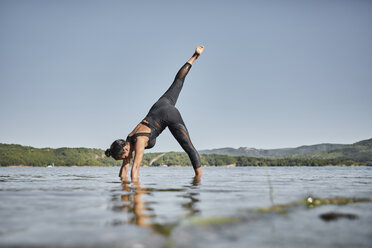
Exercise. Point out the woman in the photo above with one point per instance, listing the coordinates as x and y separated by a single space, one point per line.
161 115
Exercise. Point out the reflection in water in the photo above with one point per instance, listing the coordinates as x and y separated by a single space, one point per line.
140 213
134 204
191 206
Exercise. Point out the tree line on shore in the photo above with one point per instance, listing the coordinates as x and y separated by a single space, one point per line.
30 156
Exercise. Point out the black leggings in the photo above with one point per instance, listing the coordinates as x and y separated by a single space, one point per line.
164 114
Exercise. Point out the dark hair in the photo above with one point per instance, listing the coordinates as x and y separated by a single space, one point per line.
116 149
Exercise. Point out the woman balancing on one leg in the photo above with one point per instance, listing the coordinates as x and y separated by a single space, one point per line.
161 115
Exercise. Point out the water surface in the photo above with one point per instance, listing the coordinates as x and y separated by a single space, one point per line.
90 207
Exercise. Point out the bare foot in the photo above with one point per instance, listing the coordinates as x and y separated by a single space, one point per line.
198 172
199 50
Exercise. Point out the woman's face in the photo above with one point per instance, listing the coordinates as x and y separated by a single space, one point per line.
126 150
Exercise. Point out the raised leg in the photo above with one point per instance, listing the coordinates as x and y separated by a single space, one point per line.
174 90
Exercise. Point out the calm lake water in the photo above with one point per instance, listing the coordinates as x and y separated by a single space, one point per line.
90 207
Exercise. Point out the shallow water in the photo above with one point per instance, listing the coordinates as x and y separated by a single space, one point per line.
90 207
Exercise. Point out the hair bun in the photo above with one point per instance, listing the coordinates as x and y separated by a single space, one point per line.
108 153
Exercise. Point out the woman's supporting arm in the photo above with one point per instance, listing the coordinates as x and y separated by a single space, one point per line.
124 169
139 150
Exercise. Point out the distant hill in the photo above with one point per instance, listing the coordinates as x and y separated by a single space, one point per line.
272 153
11 154
359 151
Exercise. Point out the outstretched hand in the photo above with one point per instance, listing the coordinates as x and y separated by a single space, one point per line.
199 50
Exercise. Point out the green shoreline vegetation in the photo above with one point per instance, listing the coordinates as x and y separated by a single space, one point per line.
18 155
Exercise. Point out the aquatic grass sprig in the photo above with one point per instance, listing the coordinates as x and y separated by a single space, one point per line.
310 202
314 202
213 221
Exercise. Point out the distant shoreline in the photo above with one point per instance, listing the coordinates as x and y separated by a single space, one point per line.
19 166
356 154
229 165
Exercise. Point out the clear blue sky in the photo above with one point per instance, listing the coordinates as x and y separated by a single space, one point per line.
274 73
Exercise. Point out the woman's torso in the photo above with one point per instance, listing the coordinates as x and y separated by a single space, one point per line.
144 129
154 123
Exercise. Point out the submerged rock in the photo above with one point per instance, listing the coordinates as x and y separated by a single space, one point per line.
333 216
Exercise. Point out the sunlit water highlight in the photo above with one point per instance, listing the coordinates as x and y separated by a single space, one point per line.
90 207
